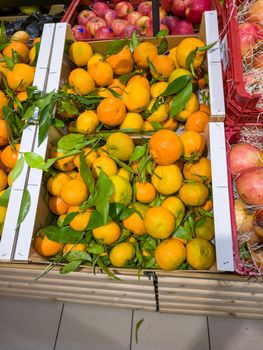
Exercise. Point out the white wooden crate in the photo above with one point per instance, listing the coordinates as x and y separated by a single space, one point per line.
9 235
59 66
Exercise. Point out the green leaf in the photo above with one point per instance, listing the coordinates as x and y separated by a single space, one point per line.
4 198
134 42
162 33
152 68
96 249
126 213
58 123
68 142
150 262
70 267
115 46
163 46
191 222
15 56
115 209
29 112
139 152
176 85
137 327
138 253
68 107
149 244
69 217
62 234
78 255
25 206
45 117
157 126
122 164
181 232
86 174
16 171
244 251
206 47
106 270
180 100
96 220
101 196
34 160
126 77
190 58
44 100
9 63
114 93
37 48
204 212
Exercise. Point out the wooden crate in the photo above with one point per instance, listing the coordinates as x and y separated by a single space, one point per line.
210 294
82 286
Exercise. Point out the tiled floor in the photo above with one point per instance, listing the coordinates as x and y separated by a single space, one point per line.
27 324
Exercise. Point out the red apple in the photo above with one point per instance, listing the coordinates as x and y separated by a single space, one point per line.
149 31
80 32
118 26
166 5
100 8
194 10
183 27
170 22
94 23
104 32
123 8
110 16
133 16
178 7
145 8
84 16
128 30
143 24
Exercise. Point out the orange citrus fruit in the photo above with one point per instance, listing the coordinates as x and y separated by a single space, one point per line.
20 77
193 143
109 233
175 205
4 132
136 96
139 79
204 228
87 122
200 254
158 88
199 171
3 102
111 111
185 47
165 147
45 246
197 121
159 222
57 205
106 164
71 247
204 108
133 122
63 164
3 180
163 67
20 48
117 86
102 73
121 253
145 192
122 190
55 183
120 145
167 179
80 221
9 156
143 51
81 81
170 254
193 194
121 62
74 192
80 52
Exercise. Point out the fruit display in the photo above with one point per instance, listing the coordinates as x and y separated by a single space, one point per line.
108 19
128 202
249 17
136 86
182 16
128 187
246 167
17 69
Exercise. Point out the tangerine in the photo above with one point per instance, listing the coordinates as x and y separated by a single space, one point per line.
159 222
111 111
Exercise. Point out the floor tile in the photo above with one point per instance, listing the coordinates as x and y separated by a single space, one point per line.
232 334
28 323
170 332
85 327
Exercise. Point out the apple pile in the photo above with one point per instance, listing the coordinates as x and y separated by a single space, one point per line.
116 19
183 14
